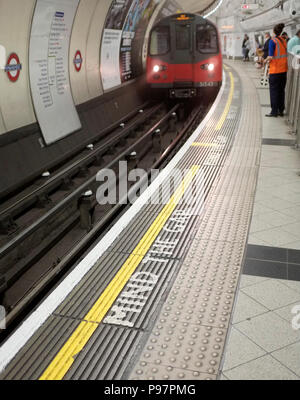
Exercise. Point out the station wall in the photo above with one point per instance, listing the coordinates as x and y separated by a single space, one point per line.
23 151
255 24
15 98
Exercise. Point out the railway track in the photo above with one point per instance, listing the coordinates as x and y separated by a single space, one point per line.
52 225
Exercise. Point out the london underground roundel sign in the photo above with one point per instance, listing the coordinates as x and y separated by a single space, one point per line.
78 61
13 67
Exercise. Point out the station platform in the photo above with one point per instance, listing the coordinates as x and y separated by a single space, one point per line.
190 283
268 299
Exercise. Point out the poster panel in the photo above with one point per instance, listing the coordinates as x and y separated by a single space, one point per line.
110 58
49 68
133 34
123 39
111 42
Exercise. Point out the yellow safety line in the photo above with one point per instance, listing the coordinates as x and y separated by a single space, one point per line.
228 104
79 338
197 144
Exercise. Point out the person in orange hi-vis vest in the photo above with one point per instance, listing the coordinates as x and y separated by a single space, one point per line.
278 59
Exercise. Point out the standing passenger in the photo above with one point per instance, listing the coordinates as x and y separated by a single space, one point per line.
294 44
245 46
266 45
278 59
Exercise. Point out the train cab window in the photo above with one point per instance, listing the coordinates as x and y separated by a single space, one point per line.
207 39
160 41
183 38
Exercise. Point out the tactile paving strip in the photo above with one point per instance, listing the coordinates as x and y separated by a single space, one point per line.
184 346
203 293
162 372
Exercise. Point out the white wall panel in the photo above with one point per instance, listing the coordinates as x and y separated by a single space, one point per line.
93 48
79 40
15 98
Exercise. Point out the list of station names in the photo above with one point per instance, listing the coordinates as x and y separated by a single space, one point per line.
49 68
53 74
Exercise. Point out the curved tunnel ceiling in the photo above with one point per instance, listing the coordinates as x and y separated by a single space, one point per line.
196 5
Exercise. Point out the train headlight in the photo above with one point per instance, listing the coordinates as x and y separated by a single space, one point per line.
208 67
158 68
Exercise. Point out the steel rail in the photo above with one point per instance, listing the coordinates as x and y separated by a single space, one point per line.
85 242
5 249
66 172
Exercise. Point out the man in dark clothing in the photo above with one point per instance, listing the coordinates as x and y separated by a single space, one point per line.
266 45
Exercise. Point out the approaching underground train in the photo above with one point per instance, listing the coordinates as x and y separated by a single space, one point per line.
184 57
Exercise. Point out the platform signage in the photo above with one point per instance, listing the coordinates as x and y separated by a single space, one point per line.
123 37
13 67
253 6
49 68
78 61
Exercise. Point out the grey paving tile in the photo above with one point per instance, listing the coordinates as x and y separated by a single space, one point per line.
267 253
293 272
286 312
293 185
264 196
246 308
276 236
263 368
294 256
282 171
286 195
279 204
267 171
294 285
294 245
260 209
253 239
269 331
223 378
248 280
293 228
290 357
272 294
240 350
269 269
257 225
276 218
